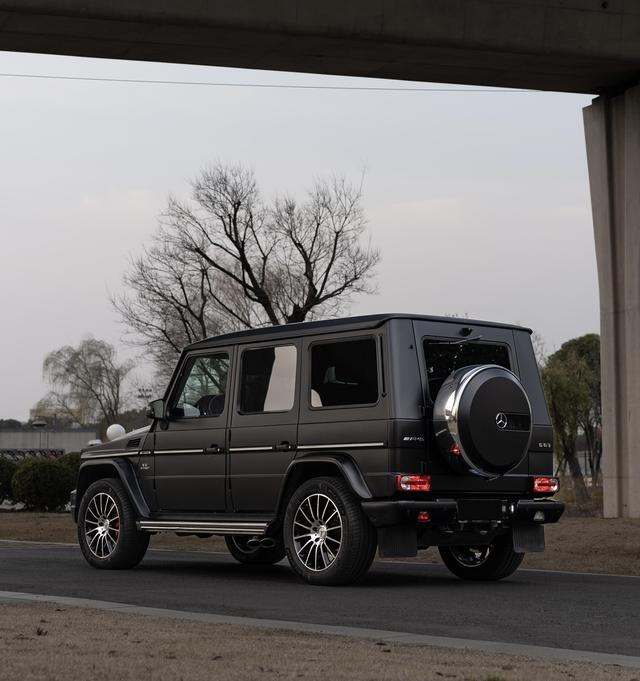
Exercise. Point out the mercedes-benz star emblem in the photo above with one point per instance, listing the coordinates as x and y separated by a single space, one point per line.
501 420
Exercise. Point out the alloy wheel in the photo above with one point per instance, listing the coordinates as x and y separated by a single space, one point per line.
102 525
317 532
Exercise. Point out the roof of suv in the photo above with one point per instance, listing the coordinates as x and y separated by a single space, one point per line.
344 324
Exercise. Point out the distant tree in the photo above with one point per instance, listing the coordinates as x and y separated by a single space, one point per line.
539 348
227 260
587 349
131 419
87 382
571 378
10 424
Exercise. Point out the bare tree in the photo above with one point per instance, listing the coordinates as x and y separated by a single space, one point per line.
539 348
227 260
86 382
171 303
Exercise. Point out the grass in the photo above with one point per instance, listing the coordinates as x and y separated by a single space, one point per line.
47 642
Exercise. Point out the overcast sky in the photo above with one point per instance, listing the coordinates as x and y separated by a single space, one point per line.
478 201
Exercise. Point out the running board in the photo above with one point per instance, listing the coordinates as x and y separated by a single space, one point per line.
251 528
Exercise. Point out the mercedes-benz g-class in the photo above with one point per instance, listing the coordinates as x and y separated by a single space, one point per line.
327 440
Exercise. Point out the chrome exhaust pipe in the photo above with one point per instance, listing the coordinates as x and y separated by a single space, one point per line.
253 543
267 543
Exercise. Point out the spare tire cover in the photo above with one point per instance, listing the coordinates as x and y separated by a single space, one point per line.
482 420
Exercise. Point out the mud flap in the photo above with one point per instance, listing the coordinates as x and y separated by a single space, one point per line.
528 538
398 541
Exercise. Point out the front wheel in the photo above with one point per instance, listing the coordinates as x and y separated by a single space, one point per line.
249 555
487 562
107 532
328 538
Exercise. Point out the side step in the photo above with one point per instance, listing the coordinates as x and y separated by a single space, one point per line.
214 527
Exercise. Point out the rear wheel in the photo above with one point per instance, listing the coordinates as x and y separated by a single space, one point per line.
327 537
260 555
107 532
488 562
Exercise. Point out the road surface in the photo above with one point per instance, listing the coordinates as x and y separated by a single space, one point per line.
559 610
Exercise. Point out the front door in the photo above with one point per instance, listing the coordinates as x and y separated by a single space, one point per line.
190 454
264 425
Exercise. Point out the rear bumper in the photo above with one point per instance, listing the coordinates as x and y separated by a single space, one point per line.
442 511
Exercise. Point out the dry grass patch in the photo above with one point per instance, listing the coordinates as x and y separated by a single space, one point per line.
48 642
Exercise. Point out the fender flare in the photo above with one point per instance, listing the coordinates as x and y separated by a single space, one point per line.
343 464
124 472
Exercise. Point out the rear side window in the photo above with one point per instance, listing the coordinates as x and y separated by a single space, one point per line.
443 358
268 379
344 373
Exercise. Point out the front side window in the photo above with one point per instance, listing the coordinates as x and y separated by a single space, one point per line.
344 373
268 379
204 390
442 358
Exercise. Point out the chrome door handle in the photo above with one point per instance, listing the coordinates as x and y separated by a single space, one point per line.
214 449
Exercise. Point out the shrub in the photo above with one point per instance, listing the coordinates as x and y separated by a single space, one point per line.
71 463
7 469
41 484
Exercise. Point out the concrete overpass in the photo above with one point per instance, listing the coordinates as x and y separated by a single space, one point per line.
589 46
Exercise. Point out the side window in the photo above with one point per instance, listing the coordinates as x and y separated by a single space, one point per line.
204 389
444 358
344 373
268 379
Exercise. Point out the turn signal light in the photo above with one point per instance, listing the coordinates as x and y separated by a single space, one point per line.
546 485
413 483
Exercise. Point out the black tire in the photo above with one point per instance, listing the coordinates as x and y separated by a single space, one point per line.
494 561
238 548
121 545
354 543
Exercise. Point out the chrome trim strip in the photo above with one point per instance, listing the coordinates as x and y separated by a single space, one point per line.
109 455
179 451
343 446
250 449
227 527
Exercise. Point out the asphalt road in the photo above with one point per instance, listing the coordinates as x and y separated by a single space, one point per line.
580 612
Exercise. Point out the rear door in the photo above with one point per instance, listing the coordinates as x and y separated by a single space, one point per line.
344 406
190 453
440 352
264 426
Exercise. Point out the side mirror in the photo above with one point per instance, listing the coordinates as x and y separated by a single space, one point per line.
156 410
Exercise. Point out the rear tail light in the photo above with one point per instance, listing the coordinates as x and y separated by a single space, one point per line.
546 485
424 517
413 483
455 450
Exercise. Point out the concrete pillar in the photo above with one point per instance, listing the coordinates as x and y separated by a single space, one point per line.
612 128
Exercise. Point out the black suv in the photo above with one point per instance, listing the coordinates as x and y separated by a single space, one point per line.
325 441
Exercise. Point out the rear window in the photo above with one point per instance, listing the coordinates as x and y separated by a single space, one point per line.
442 358
344 373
